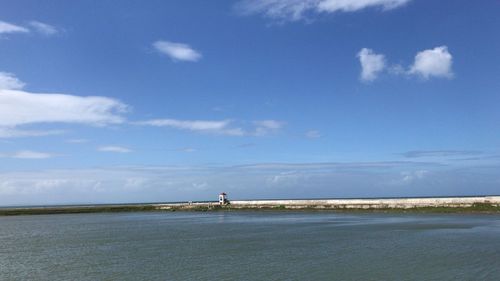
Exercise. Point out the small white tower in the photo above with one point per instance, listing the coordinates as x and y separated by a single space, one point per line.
223 198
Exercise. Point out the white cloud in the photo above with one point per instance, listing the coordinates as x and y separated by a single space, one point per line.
114 148
44 28
193 125
28 154
433 63
205 126
371 64
16 133
177 51
269 124
313 134
408 177
6 27
9 81
264 127
356 5
429 63
294 10
19 107
218 127
187 149
77 141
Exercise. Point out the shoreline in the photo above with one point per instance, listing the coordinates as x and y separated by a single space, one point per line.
459 205
476 209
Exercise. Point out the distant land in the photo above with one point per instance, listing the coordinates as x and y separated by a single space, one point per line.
470 204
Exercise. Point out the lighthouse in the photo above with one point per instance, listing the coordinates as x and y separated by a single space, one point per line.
223 199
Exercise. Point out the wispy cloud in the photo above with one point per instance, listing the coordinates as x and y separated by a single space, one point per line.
371 64
177 51
44 28
27 154
341 165
439 153
187 149
295 10
6 27
37 26
269 124
19 107
265 127
17 133
204 126
435 62
77 141
313 134
246 145
114 148
217 127
411 176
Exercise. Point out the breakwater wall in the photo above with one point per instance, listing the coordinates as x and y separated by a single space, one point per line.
478 204
378 203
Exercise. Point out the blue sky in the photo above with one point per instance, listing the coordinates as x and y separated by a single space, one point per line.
133 101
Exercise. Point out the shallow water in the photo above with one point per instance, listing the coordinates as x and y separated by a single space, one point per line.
250 246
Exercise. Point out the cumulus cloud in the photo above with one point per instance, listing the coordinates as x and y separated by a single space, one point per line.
19 107
6 27
44 28
114 148
429 63
371 64
294 10
177 51
9 81
435 62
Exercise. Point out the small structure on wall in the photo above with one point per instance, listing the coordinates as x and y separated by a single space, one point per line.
223 199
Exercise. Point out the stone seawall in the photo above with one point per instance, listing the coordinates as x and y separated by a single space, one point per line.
478 204
382 203
376 203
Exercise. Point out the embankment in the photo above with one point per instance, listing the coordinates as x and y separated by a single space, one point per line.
477 204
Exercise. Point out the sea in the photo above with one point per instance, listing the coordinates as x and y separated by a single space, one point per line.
250 245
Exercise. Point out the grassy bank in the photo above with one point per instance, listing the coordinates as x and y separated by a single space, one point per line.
478 208
75 210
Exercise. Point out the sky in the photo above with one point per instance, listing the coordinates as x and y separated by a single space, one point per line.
154 101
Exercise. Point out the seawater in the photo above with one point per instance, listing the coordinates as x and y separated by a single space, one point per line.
250 246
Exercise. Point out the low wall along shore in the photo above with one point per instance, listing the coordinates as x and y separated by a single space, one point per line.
379 203
478 204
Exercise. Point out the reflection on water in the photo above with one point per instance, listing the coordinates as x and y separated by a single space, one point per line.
250 246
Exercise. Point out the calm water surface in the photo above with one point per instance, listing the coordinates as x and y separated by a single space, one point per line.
250 246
